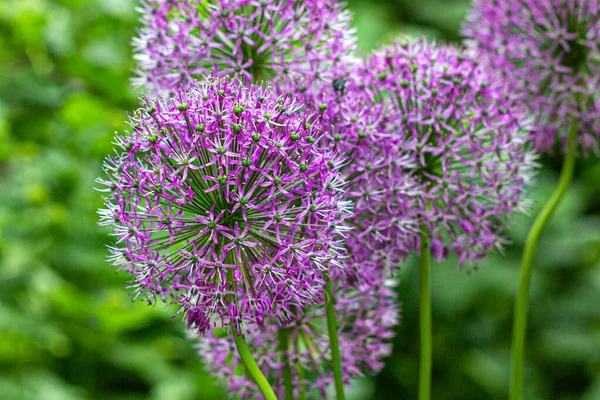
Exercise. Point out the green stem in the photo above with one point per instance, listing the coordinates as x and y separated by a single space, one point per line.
243 349
252 368
300 373
425 316
284 341
522 303
333 341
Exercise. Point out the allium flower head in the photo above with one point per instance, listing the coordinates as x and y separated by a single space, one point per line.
377 180
472 162
550 51
278 40
366 315
222 201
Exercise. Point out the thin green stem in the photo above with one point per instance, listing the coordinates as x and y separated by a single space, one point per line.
522 303
243 350
252 368
284 344
300 373
333 341
425 316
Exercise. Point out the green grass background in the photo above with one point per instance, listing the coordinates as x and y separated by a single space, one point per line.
68 329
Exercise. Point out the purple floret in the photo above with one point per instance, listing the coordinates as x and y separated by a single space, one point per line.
467 138
222 201
549 51
367 314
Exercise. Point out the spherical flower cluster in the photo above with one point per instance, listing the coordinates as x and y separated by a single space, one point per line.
222 201
468 139
550 52
270 40
367 314
377 177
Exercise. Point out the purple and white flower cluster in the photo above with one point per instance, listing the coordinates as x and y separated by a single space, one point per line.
367 315
275 155
550 52
466 140
379 184
222 200
259 40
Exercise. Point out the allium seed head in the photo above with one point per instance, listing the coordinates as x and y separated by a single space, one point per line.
270 40
472 162
550 52
366 314
221 202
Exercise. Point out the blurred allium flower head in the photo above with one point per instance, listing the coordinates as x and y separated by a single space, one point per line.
367 314
278 40
378 183
550 52
222 201
467 138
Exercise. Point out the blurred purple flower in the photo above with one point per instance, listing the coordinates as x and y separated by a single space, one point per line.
270 40
222 201
378 180
367 314
549 51
467 138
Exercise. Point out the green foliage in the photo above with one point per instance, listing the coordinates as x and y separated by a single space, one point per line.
68 328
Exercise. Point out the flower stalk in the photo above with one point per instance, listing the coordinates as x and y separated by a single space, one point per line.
252 367
333 340
425 316
522 302
288 383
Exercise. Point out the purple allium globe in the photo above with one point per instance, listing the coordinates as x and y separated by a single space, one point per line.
270 40
222 202
367 314
473 165
550 52
378 182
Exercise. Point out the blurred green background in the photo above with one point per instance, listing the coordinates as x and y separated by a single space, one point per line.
68 329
